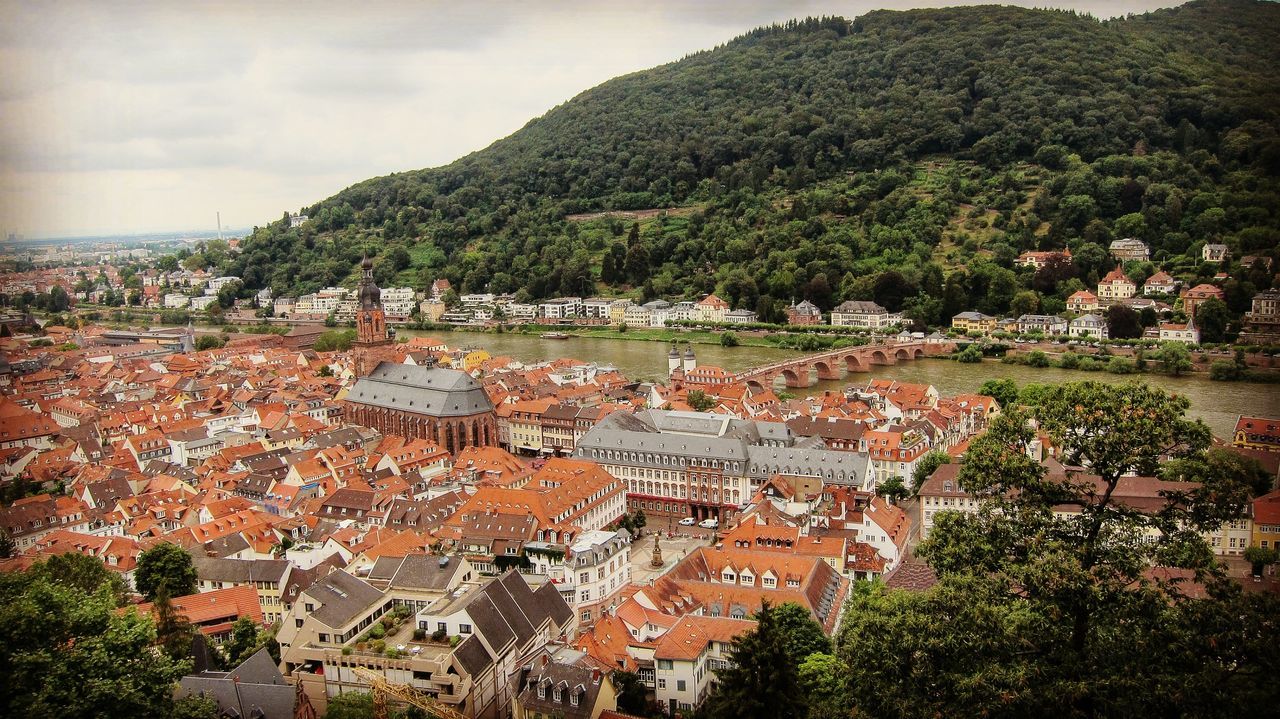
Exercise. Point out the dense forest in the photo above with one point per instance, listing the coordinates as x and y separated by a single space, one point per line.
906 157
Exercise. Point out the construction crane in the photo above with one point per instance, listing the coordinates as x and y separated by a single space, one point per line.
383 688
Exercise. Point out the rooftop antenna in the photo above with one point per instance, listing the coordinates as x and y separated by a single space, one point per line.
219 225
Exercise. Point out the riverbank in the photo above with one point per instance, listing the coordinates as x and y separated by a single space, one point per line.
746 338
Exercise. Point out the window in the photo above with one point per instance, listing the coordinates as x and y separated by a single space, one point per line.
586 615
442 627
324 638
464 628
665 664
573 698
680 685
297 623
662 683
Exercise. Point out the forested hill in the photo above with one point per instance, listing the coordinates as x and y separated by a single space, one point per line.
819 155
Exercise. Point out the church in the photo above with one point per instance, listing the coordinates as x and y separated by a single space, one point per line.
444 406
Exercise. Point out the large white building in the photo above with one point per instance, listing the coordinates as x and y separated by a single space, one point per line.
590 574
397 301
868 315
707 465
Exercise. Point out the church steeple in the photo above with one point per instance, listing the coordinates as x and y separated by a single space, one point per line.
371 321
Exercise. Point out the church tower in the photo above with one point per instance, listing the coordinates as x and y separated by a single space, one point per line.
371 321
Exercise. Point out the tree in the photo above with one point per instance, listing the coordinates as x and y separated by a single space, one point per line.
1225 371
803 634
700 401
80 572
825 683
350 705
209 342
893 489
1174 357
195 706
1123 323
74 655
1082 628
1211 319
244 638
632 695
165 565
762 681
927 465
228 293
174 632
7 546
636 265
1260 557
58 299
1003 391
728 339
1024 303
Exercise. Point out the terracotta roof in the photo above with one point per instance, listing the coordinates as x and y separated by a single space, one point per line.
689 637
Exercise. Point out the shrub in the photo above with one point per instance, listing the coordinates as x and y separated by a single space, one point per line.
393 653
1038 359
377 631
419 634
1121 365
439 635
1225 371
378 646
1069 360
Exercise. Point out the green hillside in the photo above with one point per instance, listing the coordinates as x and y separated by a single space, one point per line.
902 156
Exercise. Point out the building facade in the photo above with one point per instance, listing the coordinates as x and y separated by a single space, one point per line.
445 406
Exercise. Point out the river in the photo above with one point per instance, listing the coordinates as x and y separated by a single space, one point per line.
1217 403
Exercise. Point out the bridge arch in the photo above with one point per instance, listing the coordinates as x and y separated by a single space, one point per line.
827 369
854 363
902 354
797 376
919 352
758 385
879 357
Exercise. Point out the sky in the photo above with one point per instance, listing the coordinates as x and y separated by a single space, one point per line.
142 116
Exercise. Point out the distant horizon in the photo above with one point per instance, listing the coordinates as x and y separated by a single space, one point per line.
126 120
234 231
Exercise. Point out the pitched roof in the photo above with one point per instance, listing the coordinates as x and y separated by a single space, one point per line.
689 637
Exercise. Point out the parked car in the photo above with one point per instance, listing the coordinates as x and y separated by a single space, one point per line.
709 523
687 522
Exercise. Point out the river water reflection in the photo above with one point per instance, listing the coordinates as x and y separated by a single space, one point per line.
1217 403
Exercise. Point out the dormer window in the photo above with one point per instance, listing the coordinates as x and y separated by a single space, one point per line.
573 698
557 695
542 691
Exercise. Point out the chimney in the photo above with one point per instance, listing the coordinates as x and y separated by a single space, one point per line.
595 676
545 659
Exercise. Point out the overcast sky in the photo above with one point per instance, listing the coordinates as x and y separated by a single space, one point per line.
121 117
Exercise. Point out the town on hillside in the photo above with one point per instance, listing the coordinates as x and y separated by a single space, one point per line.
500 538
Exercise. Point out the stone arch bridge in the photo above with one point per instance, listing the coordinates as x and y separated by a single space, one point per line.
833 364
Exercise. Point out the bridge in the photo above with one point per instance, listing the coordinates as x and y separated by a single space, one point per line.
833 364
